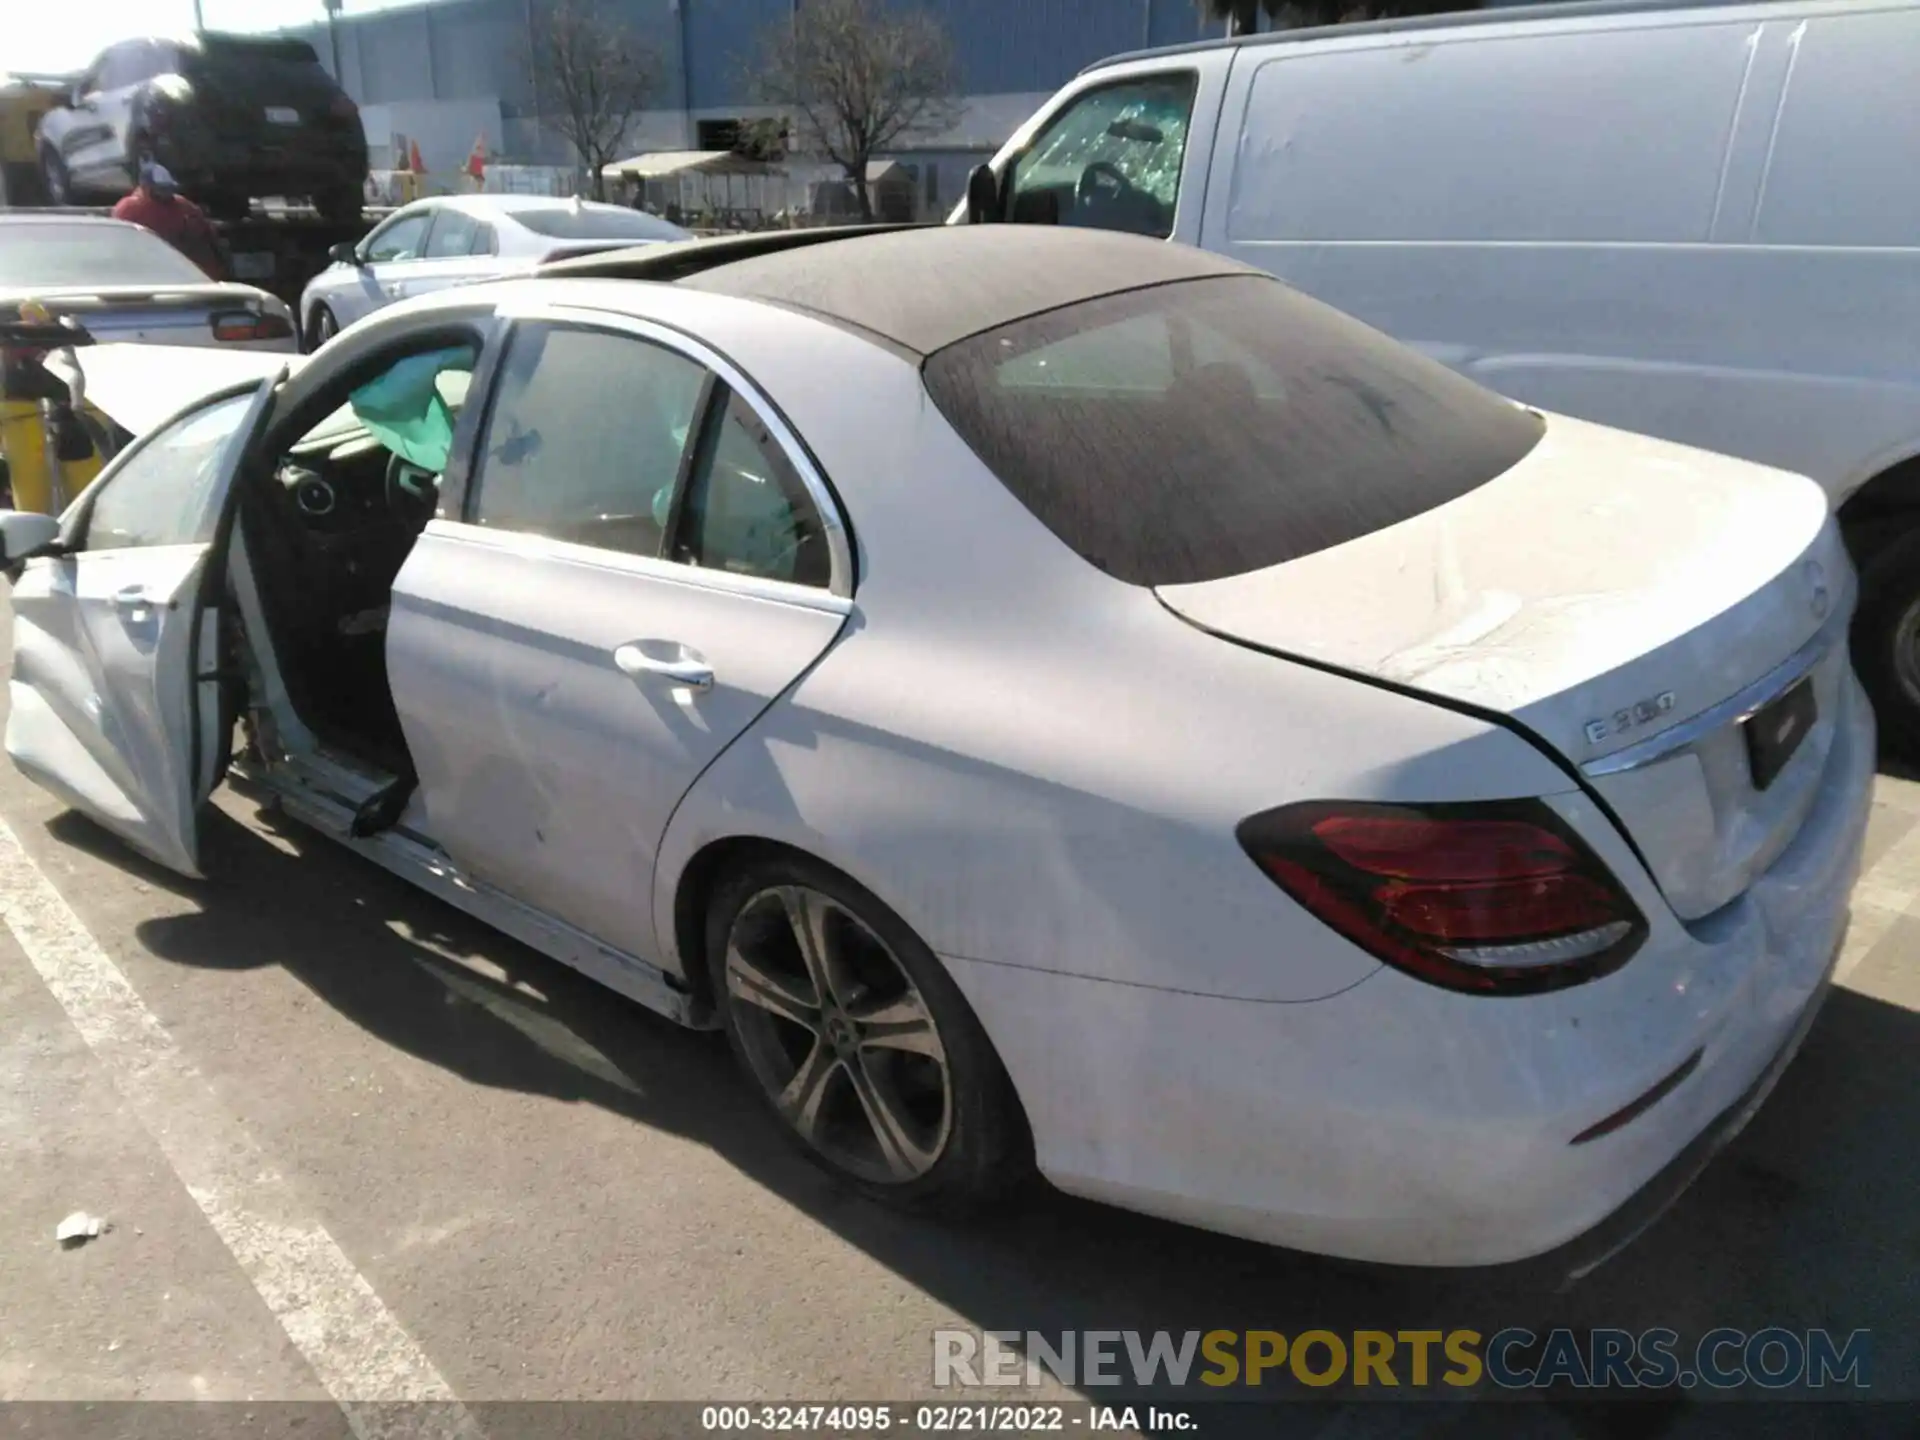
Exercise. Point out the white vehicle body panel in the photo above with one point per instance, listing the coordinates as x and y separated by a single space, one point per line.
545 770
125 383
1696 268
1040 769
1654 583
106 705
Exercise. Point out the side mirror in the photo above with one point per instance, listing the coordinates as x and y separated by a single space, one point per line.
983 195
24 534
344 252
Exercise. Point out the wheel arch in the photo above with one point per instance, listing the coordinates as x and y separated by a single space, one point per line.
1885 505
692 892
311 318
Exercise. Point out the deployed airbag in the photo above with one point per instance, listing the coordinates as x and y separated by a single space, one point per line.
404 410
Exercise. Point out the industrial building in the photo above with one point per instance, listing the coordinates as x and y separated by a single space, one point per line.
444 74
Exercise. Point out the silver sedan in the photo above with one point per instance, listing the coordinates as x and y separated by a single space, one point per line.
1054 699
456 239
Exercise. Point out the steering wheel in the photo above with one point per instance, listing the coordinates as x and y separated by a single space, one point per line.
413 493
1101 184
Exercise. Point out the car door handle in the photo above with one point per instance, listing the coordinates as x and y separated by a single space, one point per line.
637 664
135 602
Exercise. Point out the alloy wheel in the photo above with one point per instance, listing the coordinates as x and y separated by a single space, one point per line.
53 172
1906 651
838 1035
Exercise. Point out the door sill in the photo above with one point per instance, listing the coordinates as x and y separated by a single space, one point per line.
325 793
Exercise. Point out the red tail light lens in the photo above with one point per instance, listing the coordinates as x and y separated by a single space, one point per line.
232 325
343 108
1493 899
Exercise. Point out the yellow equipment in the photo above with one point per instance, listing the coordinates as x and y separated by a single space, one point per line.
50 458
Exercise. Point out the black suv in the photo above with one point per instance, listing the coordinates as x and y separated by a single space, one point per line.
232 116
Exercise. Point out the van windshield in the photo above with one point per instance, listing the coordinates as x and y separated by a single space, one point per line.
1207 428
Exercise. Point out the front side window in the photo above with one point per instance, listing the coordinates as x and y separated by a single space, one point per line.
1111 160
401 238
166 492
1192 431
585 437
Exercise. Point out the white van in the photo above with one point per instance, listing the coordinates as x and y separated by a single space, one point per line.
1701 222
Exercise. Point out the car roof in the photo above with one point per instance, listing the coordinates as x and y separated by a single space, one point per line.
922 289
493 204
1445 20
62 217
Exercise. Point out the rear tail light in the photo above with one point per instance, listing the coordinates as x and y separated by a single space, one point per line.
1490 899
343 108
235 325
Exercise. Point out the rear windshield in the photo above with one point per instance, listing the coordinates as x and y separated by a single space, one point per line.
49 255
608 224
1213 427
230 49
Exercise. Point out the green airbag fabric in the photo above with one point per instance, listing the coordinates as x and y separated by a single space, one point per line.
405 411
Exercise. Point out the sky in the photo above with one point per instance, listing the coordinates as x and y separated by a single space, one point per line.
62 35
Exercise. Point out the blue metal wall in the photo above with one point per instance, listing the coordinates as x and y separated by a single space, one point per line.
471 49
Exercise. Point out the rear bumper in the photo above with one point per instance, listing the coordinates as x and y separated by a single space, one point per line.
1399 1123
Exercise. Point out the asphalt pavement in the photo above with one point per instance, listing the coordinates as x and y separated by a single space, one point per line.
353 1146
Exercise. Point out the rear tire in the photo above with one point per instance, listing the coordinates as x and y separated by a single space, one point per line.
54 177
321 327
887 1082
227 205
1886 643
339 207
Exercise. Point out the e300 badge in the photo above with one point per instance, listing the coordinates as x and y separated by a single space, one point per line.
1643 712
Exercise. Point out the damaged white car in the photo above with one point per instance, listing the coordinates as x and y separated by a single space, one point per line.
1054 698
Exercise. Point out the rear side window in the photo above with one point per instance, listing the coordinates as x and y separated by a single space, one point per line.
602 222
453 234
1213 427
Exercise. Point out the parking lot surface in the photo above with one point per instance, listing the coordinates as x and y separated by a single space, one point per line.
354 1146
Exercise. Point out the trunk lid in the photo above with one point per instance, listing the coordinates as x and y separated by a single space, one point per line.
150 314
1630 602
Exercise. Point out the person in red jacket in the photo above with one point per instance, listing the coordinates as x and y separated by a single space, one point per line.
159 206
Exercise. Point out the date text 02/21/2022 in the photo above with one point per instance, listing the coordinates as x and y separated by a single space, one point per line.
939 1419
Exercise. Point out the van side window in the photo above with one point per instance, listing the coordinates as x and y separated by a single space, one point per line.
1110 160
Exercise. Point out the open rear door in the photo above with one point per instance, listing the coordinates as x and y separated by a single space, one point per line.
113 706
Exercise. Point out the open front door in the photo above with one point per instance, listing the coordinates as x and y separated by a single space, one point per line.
107 705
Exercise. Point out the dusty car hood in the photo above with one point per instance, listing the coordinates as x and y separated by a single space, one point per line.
138 386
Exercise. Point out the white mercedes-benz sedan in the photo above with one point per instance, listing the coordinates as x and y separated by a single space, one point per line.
1055 699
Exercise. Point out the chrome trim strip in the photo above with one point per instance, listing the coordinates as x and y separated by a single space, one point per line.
1736 707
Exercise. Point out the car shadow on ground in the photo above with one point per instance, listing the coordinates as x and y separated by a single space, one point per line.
1807 1220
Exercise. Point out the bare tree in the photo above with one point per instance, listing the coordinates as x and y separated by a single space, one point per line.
591 74
1243 16
855 78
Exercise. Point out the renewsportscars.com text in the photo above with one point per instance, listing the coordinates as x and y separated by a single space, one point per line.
1774 1358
